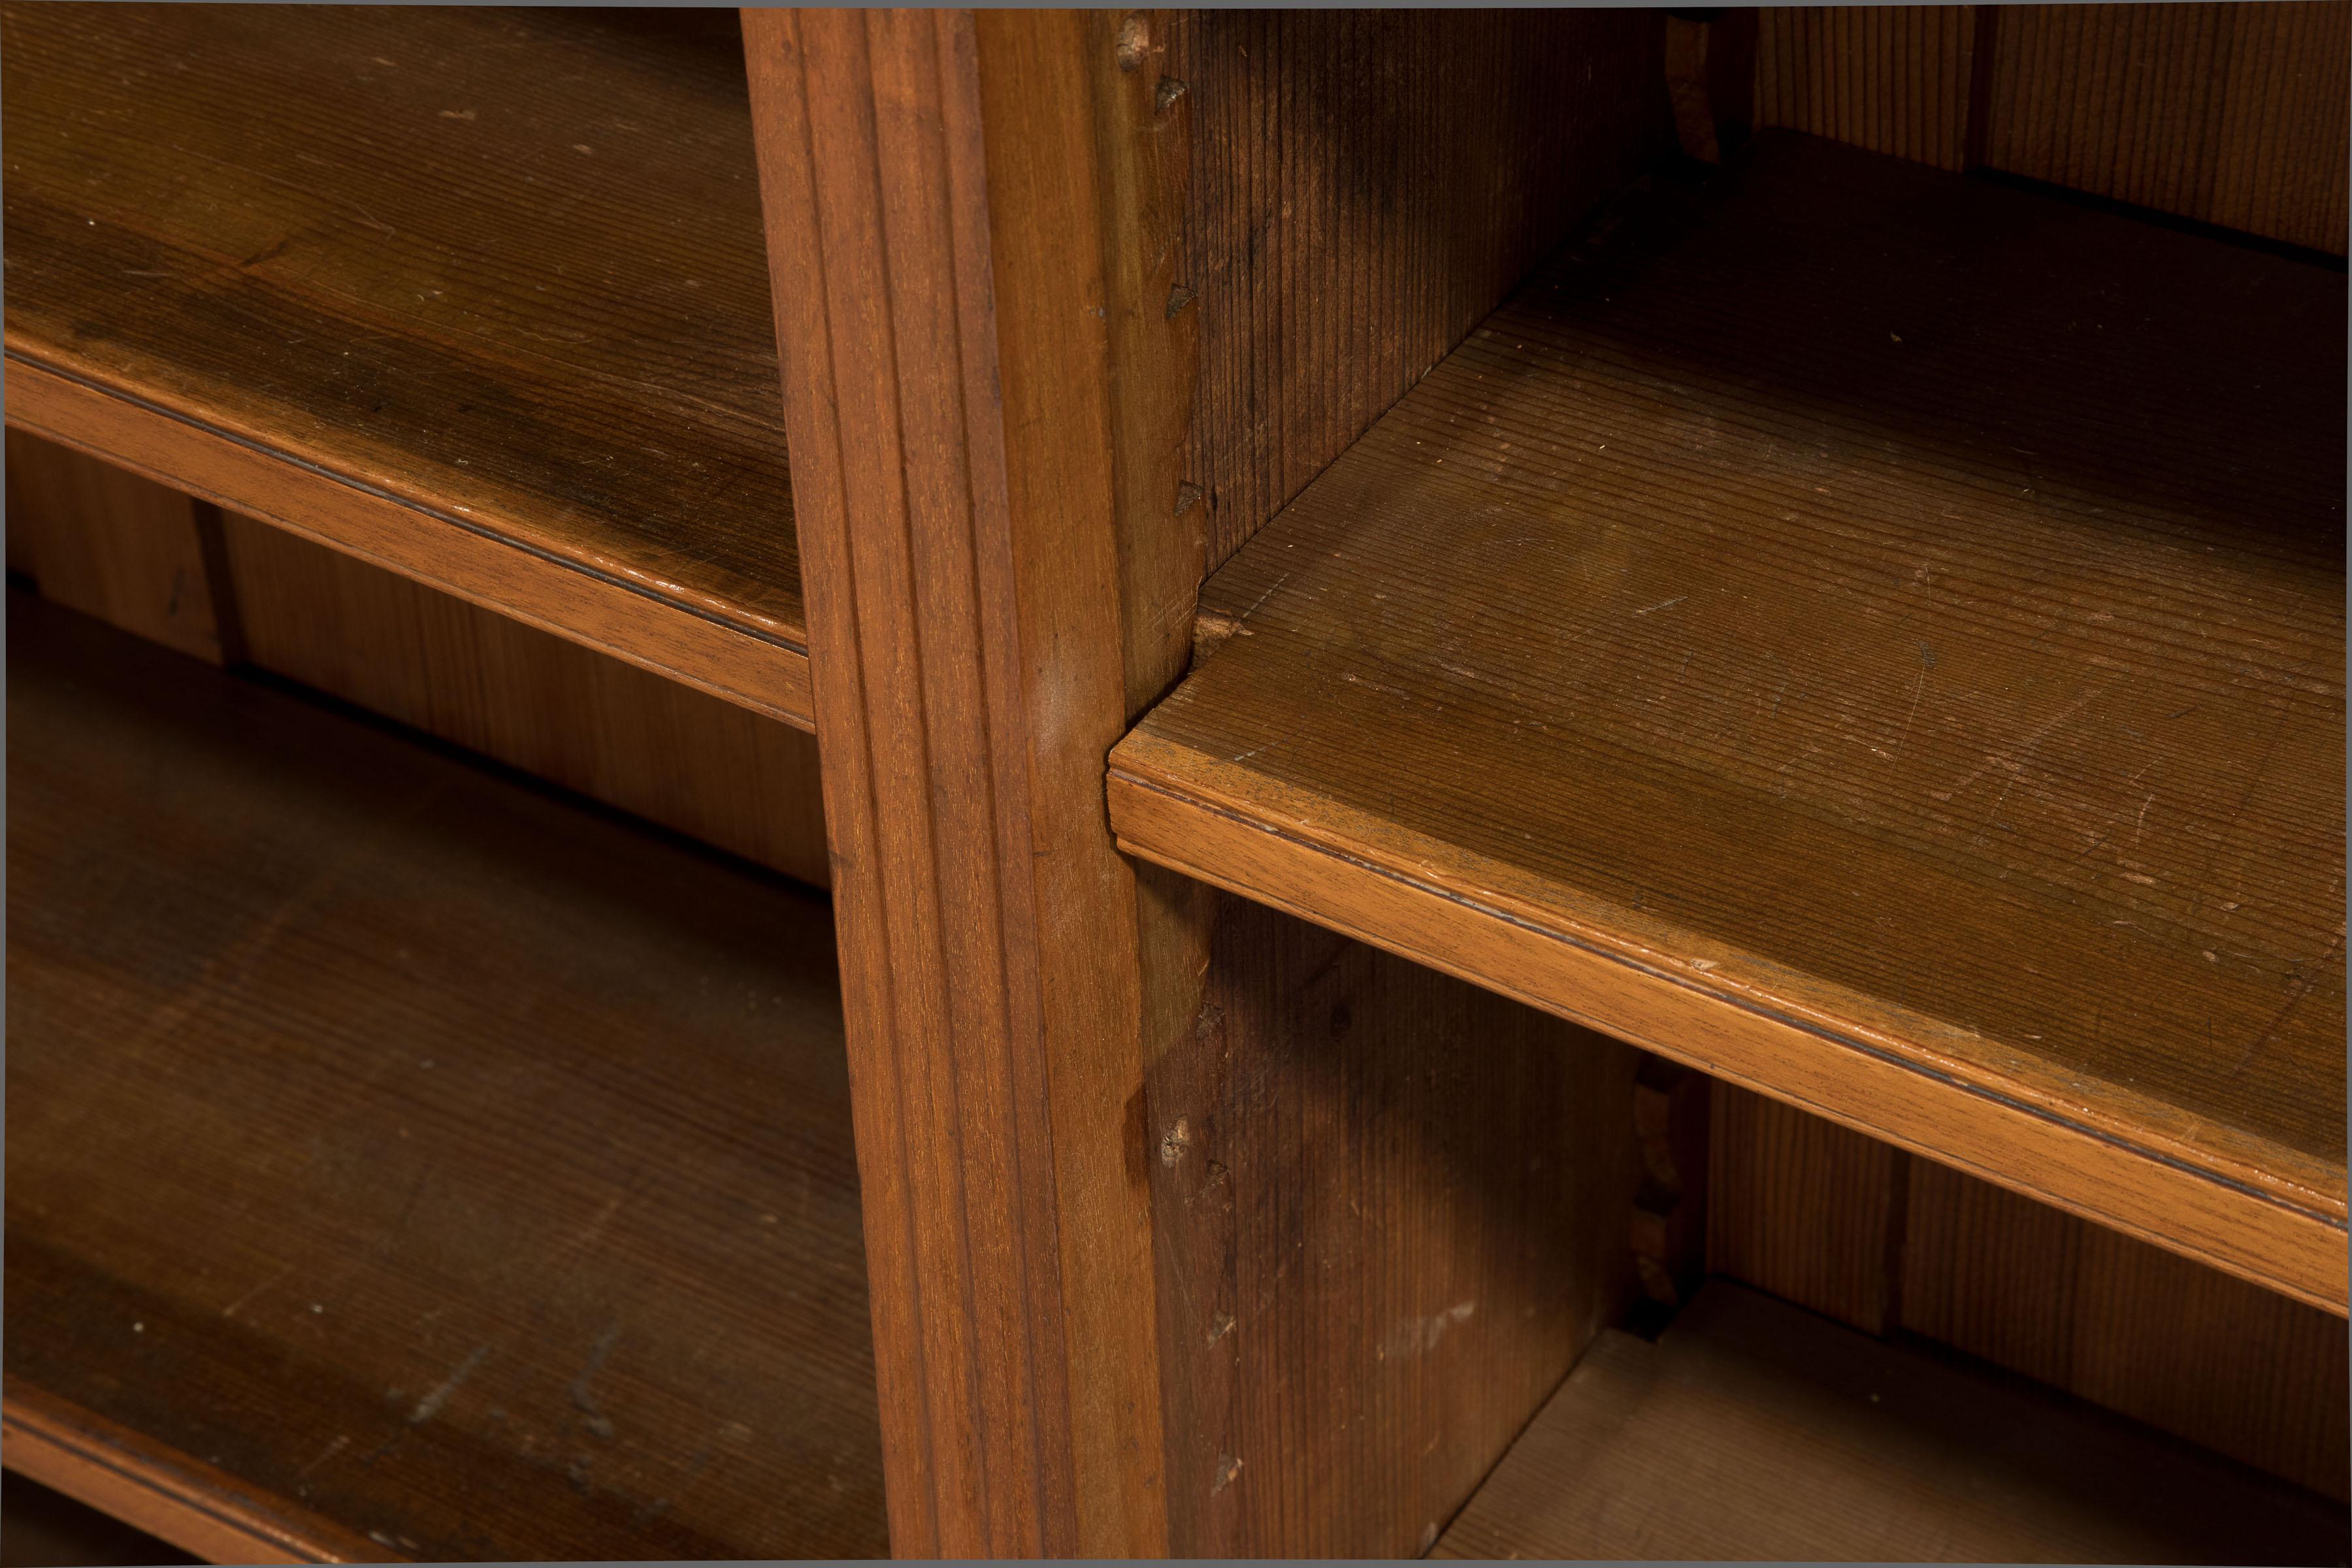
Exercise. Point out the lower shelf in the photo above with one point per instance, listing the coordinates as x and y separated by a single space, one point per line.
403 1160
1754 1430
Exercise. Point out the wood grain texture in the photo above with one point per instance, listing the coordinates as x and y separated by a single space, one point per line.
706 768
1981 795
2233 114
1377 1262
1869 1236
1365 187
1807 1210
426 1151
116 546
482 295
1754 1431
934 176
2129 1327
993 561
1889 79
173 1498
765 676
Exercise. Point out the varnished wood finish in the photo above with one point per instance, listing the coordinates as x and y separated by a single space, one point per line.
1365 185
169 1496
150 561
480 297
1376 1261
1983 796
116 546
766 677
934 178
1893 1245
1806 1209
993 578
1752 1430
2128 1326
429 1153
2234 114
1890 79
708 768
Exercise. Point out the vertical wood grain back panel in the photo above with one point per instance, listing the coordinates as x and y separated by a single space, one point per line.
2232 114
686 760
120 548
1861 1232
2130 1326
1802 1207
1365 187
1893 79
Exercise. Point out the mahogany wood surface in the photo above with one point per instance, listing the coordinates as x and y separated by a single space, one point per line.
712 770
1876 1238
1807 1210
421 1150
1755 1431
202 1509
985 393
933 178
2128 1326
1868 634
2233 114
482 297
41 1527
1377 1260
153 561
1888 78
114 545
1364 186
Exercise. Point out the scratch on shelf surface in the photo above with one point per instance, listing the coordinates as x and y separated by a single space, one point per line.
430 1406
598 1422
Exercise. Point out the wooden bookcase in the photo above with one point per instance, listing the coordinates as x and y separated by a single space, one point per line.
1551 783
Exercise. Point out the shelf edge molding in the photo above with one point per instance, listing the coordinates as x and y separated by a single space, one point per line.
2231 1225
768 676
1765 639
169 1495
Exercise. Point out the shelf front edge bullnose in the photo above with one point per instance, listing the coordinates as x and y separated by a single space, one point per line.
2005 1139
762 670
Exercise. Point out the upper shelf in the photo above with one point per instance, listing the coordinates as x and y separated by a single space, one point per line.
481 294
1870 634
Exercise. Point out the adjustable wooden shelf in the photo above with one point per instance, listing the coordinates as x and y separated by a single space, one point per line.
1866 633
477 295
1581 782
